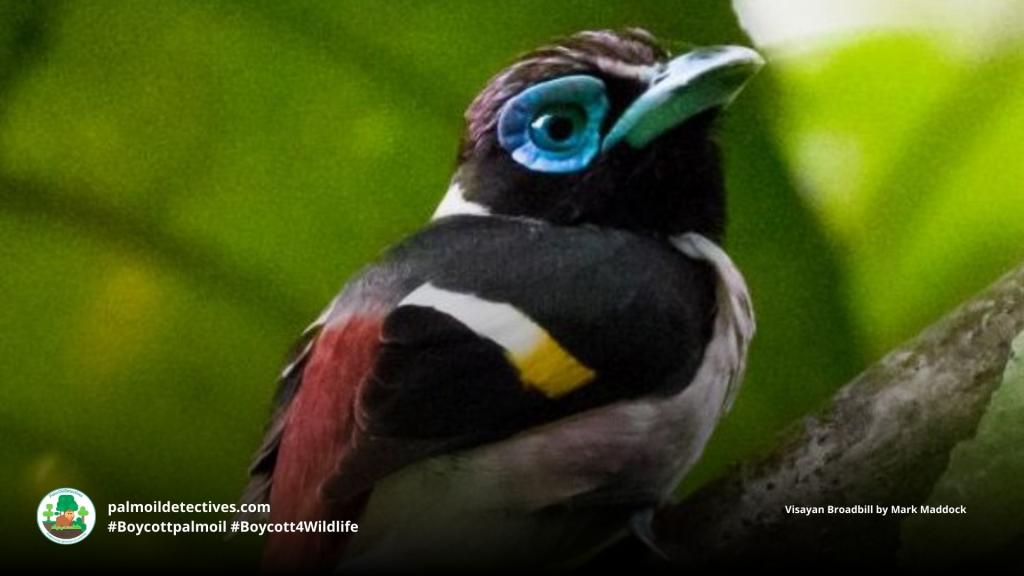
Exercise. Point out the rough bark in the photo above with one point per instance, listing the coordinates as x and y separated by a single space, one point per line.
884 439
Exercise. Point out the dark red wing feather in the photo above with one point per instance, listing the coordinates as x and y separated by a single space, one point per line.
317 432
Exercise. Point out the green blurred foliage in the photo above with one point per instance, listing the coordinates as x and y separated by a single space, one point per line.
984 474
911 155
183 185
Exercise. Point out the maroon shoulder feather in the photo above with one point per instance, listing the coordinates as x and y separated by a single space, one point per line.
317 431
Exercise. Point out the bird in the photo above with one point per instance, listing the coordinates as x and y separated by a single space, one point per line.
524 379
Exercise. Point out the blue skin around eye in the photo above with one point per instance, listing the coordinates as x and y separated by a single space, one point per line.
514 124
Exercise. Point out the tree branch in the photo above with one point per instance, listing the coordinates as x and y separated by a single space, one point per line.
884 439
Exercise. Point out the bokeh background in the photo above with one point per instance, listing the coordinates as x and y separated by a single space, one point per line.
183 186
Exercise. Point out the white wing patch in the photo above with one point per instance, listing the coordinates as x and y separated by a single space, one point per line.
542 363
500 322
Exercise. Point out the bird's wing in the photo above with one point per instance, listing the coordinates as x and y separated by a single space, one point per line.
261 470
471 331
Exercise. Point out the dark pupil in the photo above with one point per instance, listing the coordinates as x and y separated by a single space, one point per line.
559 128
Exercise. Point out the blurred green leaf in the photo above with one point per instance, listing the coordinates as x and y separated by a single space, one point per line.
911 156
984 474
959 220
849 111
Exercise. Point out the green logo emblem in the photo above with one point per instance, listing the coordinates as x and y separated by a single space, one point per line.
66 516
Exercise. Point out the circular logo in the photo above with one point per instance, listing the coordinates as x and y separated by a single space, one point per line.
66 516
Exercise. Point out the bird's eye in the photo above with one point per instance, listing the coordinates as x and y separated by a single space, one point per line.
558 128
555 125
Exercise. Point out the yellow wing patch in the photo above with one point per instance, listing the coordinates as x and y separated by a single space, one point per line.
550 368
541 361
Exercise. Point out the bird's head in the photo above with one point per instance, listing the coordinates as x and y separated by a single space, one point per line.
604 128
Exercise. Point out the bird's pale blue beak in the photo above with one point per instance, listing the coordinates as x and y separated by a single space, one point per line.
688 85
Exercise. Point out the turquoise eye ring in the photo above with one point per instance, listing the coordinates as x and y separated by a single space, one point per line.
555 126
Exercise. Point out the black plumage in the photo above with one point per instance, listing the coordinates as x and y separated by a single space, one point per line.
634 310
